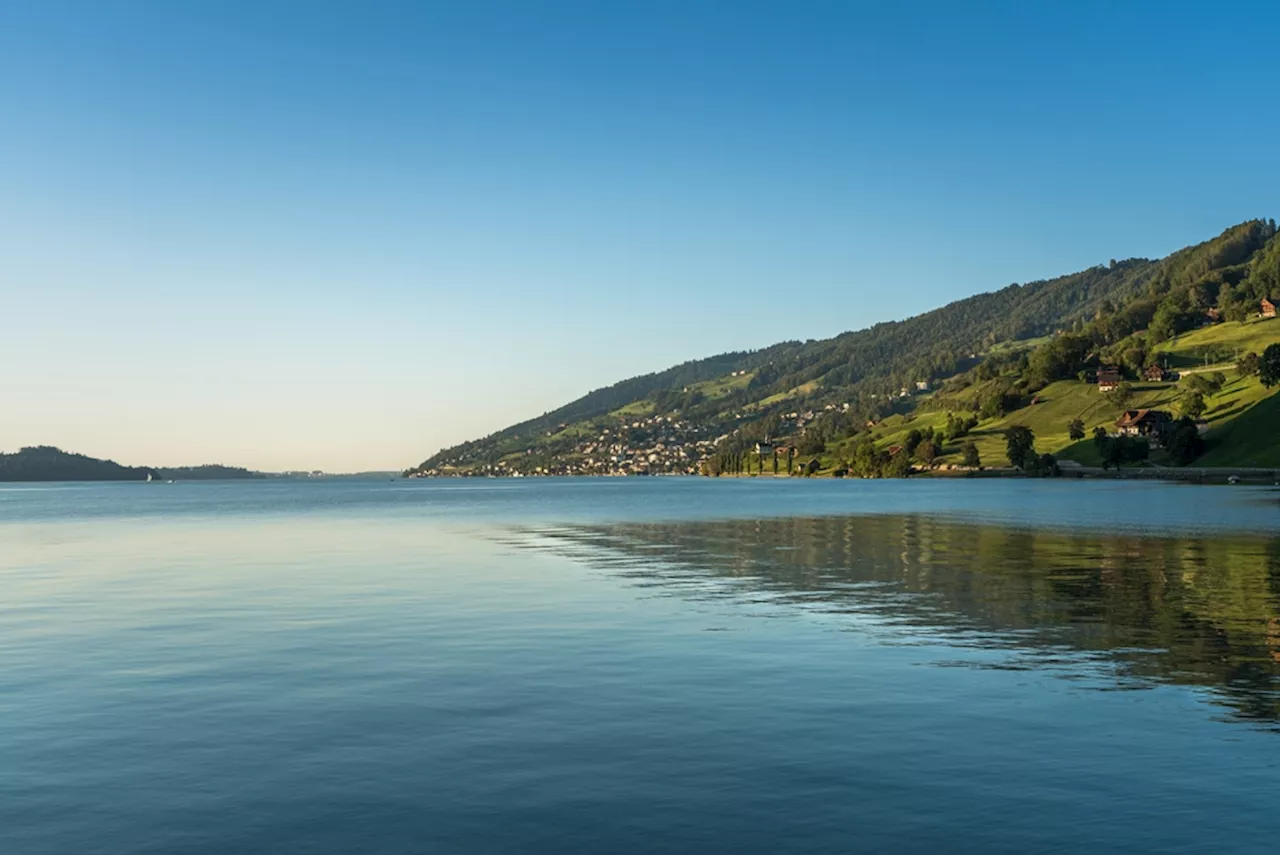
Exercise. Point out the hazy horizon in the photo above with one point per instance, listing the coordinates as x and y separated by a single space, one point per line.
342 236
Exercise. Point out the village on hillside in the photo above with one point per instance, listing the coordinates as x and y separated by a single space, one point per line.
639 440
650 445
653 445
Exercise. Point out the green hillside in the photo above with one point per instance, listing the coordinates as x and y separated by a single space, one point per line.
1025 355
1248 436
1217 344
1061 402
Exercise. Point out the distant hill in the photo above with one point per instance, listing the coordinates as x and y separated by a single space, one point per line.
46 463
210 472
819 397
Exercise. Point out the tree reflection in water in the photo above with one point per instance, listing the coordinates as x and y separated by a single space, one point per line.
1115 610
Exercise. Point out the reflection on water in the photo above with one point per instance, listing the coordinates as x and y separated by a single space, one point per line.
345 667
1114 611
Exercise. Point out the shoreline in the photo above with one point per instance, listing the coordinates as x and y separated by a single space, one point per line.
1191 474
1194 475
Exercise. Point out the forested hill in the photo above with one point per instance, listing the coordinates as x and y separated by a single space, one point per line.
696 404
210 472
46 463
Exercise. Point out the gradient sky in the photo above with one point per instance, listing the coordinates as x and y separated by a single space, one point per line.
341 235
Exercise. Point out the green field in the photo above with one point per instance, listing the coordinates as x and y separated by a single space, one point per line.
1059 403
1224 342
1243 416
643 407
720 386
1250 436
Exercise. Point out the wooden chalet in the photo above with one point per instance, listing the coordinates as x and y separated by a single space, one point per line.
1109 378
1268 308
1152 424
1154 374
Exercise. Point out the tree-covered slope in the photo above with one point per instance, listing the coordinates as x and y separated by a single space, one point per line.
1032 331
46 463
210 472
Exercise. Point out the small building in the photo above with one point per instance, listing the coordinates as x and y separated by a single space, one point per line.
764 448
1109 378
1155 374
1212 315
922 385
1152 424
1268 308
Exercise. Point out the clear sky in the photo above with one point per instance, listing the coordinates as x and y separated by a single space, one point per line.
341 235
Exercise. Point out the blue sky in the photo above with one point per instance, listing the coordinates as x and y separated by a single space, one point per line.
342 235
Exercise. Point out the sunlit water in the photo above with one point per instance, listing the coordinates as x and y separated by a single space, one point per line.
639 665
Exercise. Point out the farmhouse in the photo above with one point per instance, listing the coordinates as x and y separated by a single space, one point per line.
1154 374
1108 378
1152 424
1268 308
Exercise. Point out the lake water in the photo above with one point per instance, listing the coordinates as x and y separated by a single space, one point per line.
639 665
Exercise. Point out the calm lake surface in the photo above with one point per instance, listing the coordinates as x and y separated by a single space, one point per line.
639 665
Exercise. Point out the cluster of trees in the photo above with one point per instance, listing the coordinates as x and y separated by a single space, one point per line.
1239 299
1268 366
1183 444
1059 359
958 426
731 461
832 426
924 445
1112 324
1002 398
1116 451
1131 354
1233 273
1191 403
1020 447
669 400
869 460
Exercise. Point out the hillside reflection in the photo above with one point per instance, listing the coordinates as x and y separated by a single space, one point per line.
1116 611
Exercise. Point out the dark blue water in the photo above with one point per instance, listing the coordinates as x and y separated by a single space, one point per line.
639 665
